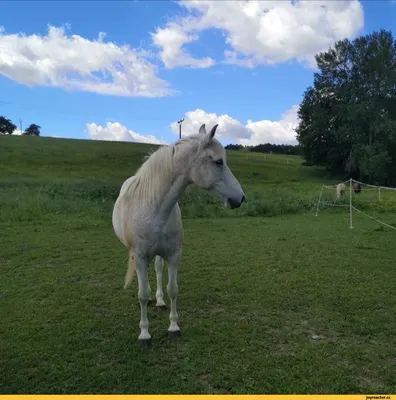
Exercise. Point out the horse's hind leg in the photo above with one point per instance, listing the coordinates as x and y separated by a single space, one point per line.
173 263
159 266
149 300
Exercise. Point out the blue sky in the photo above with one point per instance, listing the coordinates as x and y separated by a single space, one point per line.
181 60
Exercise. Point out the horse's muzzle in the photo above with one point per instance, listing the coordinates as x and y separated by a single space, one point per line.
233 203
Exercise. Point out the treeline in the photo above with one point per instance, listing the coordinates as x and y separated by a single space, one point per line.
268 148
348 116
7 127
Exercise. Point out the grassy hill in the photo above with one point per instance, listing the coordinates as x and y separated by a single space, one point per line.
286 304
48 171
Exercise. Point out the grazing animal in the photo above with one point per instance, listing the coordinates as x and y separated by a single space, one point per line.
340 190
357 188
147 218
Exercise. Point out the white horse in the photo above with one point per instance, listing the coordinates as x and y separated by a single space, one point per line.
340 190
147 218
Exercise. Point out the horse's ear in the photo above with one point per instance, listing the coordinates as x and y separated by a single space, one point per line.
213 131
202 129
209 136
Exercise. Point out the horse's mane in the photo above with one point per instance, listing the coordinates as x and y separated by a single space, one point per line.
156 172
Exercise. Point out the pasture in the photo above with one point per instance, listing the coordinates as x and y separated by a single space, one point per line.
271 299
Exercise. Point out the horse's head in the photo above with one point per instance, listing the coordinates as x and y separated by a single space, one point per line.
209 170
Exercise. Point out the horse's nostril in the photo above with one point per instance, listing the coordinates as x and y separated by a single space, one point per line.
235 203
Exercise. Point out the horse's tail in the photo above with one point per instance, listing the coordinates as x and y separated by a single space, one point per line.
131 269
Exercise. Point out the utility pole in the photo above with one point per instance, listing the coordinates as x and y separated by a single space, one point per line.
180 124
20 124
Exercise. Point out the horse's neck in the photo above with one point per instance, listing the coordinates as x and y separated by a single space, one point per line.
171 195
163 203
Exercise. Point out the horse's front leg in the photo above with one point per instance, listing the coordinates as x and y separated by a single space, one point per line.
173 263
143 295
159 266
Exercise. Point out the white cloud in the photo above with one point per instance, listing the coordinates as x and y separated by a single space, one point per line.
228 126
171 39
251 133
276 132
114 131
260 32
76 63
17 132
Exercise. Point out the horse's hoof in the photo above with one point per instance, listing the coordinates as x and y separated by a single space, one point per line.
161 308
174 334
145 343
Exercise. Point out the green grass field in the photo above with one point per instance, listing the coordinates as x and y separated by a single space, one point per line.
271 298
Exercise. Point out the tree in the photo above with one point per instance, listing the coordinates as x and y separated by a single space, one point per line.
234 147
6 126
348 117
267 148
276 148
32 130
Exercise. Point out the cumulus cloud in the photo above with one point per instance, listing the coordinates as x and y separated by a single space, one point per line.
76 63
114 131
228 126
260 32
250 133
171 39
276 132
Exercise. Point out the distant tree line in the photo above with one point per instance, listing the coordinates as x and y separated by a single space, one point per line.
7 128
268 148
348 117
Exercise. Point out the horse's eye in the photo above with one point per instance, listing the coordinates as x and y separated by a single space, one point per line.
219 162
